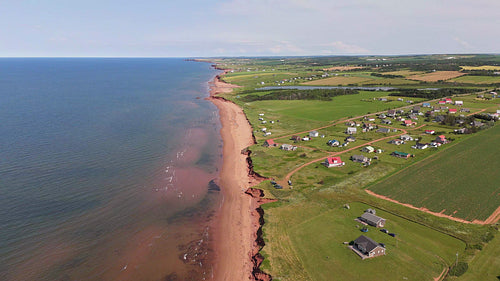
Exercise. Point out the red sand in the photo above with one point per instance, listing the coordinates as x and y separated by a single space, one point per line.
236 230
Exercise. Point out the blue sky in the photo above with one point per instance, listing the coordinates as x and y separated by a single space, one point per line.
189 28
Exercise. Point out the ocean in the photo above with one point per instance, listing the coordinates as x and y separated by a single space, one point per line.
106 169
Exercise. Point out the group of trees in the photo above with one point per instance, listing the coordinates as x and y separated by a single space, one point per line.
432 94
289 94
386 75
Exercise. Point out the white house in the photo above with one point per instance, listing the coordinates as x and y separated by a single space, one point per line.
313 134
351 130
368 149
406 137
459 102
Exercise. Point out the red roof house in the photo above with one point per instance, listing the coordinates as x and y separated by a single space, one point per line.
441 102
448 100
452 110
409 123
269 143
430 132
333 162
441 139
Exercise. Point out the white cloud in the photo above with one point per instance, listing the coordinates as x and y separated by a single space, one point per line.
463 43
342 47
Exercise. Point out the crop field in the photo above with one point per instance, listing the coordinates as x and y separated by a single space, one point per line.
338 80
483 67
404 73
477 79
436 76
456 181
304 241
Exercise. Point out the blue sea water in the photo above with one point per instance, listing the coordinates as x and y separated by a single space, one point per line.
104 168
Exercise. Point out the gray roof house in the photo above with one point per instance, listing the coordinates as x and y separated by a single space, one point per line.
372 219
384 130
359 158
365 247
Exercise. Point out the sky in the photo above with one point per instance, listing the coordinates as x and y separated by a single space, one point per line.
204 28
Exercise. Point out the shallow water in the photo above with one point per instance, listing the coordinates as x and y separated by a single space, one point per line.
105 166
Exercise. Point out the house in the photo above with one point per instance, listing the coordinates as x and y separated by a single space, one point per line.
401 154
267 134
333 162
426 104
382 99
459 102
391 113
443 108
295 138
439 118
382 116
367 248
386 122
269 143
368 149
306 138
430 132
397 142
350 124
441 102
420 146
448 100
476 123
441 139
333 143
373 220
360 158
288 147
408 123
462 131
263 130
400 99
351 130
350 139
464 110
416 109
384 130
313 134
406 137
452 110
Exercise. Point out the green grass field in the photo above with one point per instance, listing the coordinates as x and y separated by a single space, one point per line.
341 106
458 180
486 266
308 244
477 79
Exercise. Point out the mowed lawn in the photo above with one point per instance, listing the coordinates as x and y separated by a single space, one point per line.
460 181
338 107
305 242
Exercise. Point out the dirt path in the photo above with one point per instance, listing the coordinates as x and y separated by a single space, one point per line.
416 208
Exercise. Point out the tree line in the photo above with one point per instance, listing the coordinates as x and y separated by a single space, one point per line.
294 94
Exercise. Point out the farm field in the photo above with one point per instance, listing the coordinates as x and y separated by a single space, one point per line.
436 76
483 67
404 73
455 181
477 79
306 243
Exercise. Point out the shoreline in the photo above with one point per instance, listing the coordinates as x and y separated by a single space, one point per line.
239 219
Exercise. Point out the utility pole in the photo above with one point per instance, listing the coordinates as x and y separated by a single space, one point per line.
456 261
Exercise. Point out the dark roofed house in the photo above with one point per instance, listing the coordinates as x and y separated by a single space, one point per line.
359 158
367 247
372 219
350 139
384 130
295 138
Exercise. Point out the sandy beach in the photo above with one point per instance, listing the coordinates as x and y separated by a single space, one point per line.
237 222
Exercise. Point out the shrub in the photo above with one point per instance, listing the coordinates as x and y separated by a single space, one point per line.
459 269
